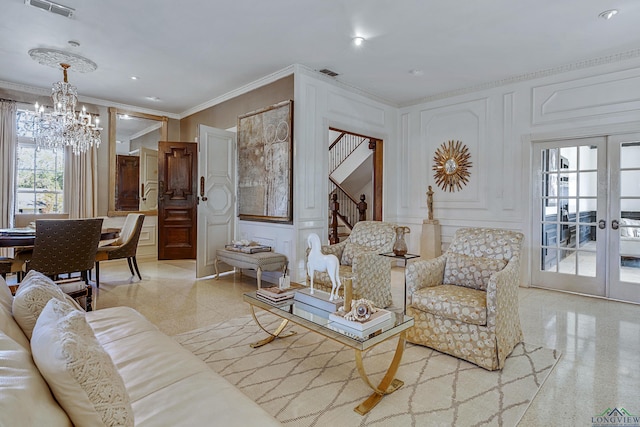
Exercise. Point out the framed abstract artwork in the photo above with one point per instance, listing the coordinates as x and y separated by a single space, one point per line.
265 164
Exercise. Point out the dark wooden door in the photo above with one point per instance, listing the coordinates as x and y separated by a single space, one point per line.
177 200
127 183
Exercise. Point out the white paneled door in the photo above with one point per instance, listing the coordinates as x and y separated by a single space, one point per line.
217 195
587 203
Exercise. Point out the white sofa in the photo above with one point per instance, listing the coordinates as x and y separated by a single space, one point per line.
153 381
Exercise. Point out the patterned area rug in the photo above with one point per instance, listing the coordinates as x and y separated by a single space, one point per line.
306 380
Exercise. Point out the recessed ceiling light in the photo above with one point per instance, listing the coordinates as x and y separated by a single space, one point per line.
358 41
416 73
134 77
153 98
608 14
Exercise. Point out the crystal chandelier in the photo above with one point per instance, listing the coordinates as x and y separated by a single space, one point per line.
64 126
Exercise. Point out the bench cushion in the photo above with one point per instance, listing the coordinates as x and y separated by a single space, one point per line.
267 261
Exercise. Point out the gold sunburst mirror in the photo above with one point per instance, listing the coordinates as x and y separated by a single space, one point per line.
451 165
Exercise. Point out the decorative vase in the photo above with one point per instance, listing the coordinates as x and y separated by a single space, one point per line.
400 246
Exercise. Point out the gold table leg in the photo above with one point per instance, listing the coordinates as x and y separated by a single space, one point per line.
272 336
388 384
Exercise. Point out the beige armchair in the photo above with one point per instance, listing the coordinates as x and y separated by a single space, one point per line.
360 261
465 302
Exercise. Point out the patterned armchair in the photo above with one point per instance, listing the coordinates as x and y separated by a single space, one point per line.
360 261
465 302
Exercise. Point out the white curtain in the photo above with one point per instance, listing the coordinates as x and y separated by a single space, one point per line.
82 185
7 163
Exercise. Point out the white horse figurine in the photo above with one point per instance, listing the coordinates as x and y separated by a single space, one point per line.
320 262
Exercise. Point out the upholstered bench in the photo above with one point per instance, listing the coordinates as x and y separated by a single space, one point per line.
260 261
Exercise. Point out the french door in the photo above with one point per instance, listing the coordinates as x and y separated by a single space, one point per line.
587 215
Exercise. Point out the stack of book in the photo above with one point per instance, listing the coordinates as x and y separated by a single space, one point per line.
319 299
275 294
248 249
376 319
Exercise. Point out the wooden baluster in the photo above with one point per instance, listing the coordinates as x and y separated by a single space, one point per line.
335 207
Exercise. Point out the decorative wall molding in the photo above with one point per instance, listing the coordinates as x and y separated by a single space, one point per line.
404 160
343 105
467 122
312 186
604 94
609 59
508 158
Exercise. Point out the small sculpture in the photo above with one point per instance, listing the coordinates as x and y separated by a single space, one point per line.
317 261
362 311
430 203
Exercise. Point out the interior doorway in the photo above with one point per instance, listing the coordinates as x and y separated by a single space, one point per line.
587 216
355 176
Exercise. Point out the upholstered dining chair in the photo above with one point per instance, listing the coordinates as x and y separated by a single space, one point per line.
67 246
465 302
125 247
360 262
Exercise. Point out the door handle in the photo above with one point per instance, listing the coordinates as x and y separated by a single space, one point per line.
602 224
144 199
160 191
615 224
202 196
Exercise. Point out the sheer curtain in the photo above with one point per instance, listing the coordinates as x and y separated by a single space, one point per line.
82 185
7 158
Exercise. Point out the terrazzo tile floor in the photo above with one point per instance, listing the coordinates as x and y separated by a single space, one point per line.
599 339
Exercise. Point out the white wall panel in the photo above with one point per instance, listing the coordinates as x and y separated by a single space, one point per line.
605 94
465 122
354 107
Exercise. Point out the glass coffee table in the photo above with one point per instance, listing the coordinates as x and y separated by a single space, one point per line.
318 321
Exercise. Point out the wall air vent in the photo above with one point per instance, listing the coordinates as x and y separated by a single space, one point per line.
52 7
328 72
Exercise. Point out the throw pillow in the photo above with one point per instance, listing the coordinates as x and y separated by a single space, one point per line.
32 295
25 398
79 371
469 271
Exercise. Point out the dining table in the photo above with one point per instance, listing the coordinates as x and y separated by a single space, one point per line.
25 237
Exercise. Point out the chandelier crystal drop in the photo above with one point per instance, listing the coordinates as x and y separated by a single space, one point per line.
64 126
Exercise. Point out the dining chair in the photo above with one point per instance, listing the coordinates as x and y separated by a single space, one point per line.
67 247
125 247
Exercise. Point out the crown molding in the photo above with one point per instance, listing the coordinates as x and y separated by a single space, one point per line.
346 86
588 63
270 78
89 100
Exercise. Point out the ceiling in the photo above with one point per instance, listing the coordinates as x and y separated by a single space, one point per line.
189 52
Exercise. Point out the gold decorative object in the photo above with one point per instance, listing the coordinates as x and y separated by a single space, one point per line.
451 165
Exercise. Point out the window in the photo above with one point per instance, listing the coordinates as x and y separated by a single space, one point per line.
39 174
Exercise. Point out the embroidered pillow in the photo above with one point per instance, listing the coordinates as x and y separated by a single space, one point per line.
79 372
32 295
469 271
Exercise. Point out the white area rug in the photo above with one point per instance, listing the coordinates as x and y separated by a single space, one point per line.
306 380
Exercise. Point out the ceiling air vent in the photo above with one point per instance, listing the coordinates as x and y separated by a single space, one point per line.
329 72
52 7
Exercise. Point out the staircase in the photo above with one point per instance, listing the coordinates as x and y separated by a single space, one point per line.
350 173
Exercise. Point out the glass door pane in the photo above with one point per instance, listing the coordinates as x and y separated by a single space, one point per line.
625 209
569 178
